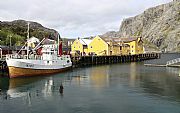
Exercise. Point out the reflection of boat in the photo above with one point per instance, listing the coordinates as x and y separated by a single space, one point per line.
13 88
31 86
6 83
47 60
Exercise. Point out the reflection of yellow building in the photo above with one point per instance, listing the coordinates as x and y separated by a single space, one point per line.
100 76
80 45
97 76
133 73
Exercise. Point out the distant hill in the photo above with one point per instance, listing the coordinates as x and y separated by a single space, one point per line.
17 31
159 26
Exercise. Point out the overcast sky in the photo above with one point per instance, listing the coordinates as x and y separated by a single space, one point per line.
75 18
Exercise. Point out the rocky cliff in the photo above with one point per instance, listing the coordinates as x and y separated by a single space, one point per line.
158 25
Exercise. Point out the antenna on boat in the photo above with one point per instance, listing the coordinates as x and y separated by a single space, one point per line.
27 41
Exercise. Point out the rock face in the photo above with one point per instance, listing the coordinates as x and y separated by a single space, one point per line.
159 25
20 27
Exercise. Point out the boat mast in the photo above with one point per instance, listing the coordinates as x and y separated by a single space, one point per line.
58 45
27 41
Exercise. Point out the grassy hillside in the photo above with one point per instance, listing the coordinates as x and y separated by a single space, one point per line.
16 31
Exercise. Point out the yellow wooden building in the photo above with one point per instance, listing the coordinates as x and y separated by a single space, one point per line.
98 46
135 44
108 46
116 48
80 46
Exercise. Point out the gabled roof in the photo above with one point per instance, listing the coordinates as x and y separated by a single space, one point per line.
125 39
116 40
4 47
48 41
85 41
106 39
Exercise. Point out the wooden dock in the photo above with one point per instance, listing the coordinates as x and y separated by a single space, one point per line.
155 65
161 65
96 60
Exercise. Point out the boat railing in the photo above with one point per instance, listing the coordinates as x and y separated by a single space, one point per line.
62 57
34 57
16 56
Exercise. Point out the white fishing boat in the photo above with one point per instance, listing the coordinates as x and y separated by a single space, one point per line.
46 60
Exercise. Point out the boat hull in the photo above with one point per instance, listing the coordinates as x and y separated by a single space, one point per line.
33 67
27 72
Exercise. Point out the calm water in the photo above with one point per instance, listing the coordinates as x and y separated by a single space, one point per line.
117 88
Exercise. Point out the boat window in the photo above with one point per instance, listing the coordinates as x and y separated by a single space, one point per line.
67 61
48 62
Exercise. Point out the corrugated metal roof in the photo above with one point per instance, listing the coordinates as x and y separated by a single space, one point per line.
124 39
85 41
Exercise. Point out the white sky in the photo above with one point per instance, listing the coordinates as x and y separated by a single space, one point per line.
75 18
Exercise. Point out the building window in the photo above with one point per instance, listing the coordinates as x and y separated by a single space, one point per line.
120 47
91 46
132 46
74 46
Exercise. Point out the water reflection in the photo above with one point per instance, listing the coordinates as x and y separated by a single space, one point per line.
160 81
133 74
97 76
107 88
163 83
13 88
172 70
40 86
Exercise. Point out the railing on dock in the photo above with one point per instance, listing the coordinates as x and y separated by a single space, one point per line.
174 61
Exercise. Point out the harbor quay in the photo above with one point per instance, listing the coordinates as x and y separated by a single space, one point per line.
96 60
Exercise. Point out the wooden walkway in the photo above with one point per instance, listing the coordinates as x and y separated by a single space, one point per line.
161 65
155 65
96 60
171 63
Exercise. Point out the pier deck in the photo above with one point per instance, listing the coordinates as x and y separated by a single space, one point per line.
95 60
161 65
